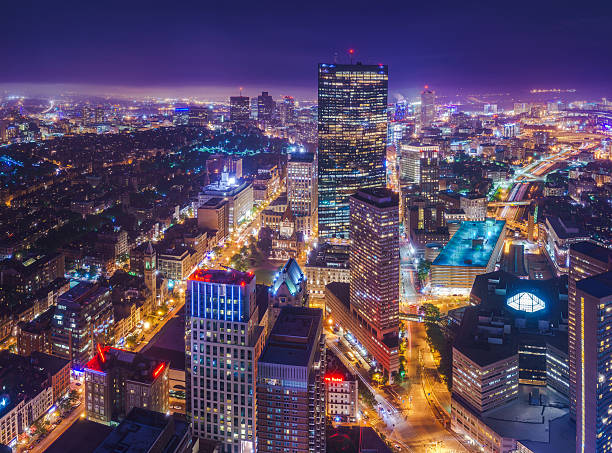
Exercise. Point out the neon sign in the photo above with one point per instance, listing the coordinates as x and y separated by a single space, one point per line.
334 379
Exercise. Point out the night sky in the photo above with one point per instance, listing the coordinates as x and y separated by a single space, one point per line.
184 45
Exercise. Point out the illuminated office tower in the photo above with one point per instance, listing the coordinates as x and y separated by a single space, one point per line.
302 189
240 109
586 259
287 111
428 107
375 264
290 389
198 115
419 164
265 108
352 135
594 398
223 344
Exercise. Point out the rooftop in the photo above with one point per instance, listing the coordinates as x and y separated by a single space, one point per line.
293 337
83 293
593 250
598 286
291 275
225 277
136 365
472 244
143 431
83 436
381 197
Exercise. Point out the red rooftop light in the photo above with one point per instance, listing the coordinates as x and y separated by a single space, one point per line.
101 353
158 370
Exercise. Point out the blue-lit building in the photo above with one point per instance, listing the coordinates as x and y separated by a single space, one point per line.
473 250
224 341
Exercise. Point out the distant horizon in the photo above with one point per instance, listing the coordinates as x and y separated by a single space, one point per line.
221 93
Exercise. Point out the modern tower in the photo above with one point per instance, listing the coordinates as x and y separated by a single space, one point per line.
240 109
287 111
375 265
419 164
586 259
302 189
428 107
223 342
290 387
352 139
265 108
594 398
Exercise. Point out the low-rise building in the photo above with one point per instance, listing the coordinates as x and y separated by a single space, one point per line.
326 264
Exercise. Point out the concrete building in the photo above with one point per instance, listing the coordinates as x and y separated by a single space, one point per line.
302 190
214 215
326 264
428 107
341 396
290 389
237 193
117 381
224 342
177 262
473 250
144 430
556 235
474 206
586 259
83 319
419 165
593 381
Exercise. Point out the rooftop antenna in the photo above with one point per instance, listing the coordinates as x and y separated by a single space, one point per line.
240 91
335 57
351 53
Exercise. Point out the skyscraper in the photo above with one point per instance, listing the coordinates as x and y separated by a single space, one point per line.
375 264
419 164
302 189
428 107
290 388
287 111
352 136
265 108
223 344
594 400
240 109
586 259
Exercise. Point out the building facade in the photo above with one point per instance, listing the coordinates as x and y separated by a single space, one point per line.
302 190
352 124
290 388
224 341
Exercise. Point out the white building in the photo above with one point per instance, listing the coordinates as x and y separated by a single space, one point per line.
238 193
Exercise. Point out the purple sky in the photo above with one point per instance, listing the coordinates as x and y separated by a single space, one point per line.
194 46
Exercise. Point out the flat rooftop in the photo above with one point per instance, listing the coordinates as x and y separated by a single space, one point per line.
226 277
293 337
546 425
381 197
597 286
83 436
139 367
472 244
593 250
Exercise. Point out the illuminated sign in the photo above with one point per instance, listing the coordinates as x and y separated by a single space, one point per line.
526 302
334 378
157 371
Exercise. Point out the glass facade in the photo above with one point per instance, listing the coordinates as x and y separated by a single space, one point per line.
526 302
352 135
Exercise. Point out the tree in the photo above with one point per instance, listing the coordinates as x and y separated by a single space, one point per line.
367 396
264 241
431 313
423 269
239 262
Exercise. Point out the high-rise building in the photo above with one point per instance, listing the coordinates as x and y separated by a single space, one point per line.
117 381
428 107
352 139
594 384
302 190
419 165
265 108
224 341
240 109
586 259
287 111
83 319
290 388
375 264
198 115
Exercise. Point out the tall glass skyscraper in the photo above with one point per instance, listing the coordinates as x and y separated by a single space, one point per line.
352 137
